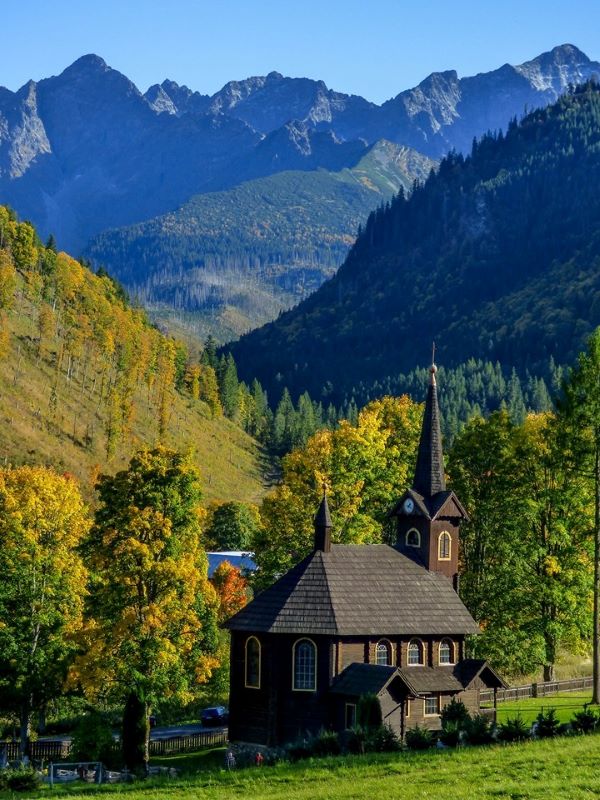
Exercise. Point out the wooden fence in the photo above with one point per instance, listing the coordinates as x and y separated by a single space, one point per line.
536 690
57 750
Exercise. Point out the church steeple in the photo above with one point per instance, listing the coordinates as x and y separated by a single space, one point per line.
429 473
323 525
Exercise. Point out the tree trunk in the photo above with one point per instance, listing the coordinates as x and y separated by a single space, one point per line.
548 672
596 636
25 728
136 734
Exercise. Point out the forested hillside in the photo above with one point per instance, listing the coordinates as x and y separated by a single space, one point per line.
85 378
236 258
495 257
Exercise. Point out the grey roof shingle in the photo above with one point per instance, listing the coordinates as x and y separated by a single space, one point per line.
357 590
421 680
358 679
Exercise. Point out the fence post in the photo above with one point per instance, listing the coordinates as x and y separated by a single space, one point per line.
495 705
534 690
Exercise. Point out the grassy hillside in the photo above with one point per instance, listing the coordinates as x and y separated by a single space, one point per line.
558 769
495 257
84 379
227 261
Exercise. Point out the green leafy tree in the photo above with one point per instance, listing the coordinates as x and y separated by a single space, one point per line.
152 631
232 526
580 409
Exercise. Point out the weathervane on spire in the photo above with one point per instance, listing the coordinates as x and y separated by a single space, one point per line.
433 368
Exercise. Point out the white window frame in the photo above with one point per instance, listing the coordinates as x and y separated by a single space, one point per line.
421 647
431 713
450 644
314 646
388 649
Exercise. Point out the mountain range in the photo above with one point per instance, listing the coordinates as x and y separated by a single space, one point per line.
86 151
496 256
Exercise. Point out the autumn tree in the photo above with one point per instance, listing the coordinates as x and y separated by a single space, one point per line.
42 587
232 589
365 466
152 633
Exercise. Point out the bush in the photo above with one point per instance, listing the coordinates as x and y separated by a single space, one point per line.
23 779
418 738
585 721
93 741
547 724
382 740
298 750
513 730
450 734
325 743
479 730
355 740
456 712
368 712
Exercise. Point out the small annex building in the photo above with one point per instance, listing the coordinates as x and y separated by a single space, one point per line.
350 620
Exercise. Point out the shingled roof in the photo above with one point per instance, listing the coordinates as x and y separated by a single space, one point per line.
359 678
361 590
429 473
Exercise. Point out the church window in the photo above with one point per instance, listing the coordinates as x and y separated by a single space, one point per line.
350 715
252 663
444 546
415 652
305 666
413 538
432 706
383 653
446 652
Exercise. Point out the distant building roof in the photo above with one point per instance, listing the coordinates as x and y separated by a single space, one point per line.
237 558
357 590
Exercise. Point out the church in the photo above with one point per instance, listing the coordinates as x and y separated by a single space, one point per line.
350 620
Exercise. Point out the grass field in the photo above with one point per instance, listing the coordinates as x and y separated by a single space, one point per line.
565 768
565 704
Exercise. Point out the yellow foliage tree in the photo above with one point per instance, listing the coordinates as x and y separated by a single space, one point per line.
42 586
365 468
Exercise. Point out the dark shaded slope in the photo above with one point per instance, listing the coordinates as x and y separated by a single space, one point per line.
496 257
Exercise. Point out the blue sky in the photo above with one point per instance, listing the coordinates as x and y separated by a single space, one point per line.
374 48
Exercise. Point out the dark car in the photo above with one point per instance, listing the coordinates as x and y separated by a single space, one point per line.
215 715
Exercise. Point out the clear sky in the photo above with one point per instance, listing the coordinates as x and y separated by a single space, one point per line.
374 48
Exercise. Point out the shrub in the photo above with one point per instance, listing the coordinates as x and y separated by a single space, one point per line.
93 741
355 740
450 734
456 712
325 743
513 730
418 738
547 724
23 779
479 730
368 712
585 721
382 740
298 750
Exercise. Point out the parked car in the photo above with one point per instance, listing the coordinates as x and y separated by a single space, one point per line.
215 715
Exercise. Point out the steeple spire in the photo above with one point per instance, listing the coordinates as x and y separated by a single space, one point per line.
429 473
323 525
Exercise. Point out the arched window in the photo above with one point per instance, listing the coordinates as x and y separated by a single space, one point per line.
383 653
413 538
252 663
444 546
446 652
415 652
305 666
